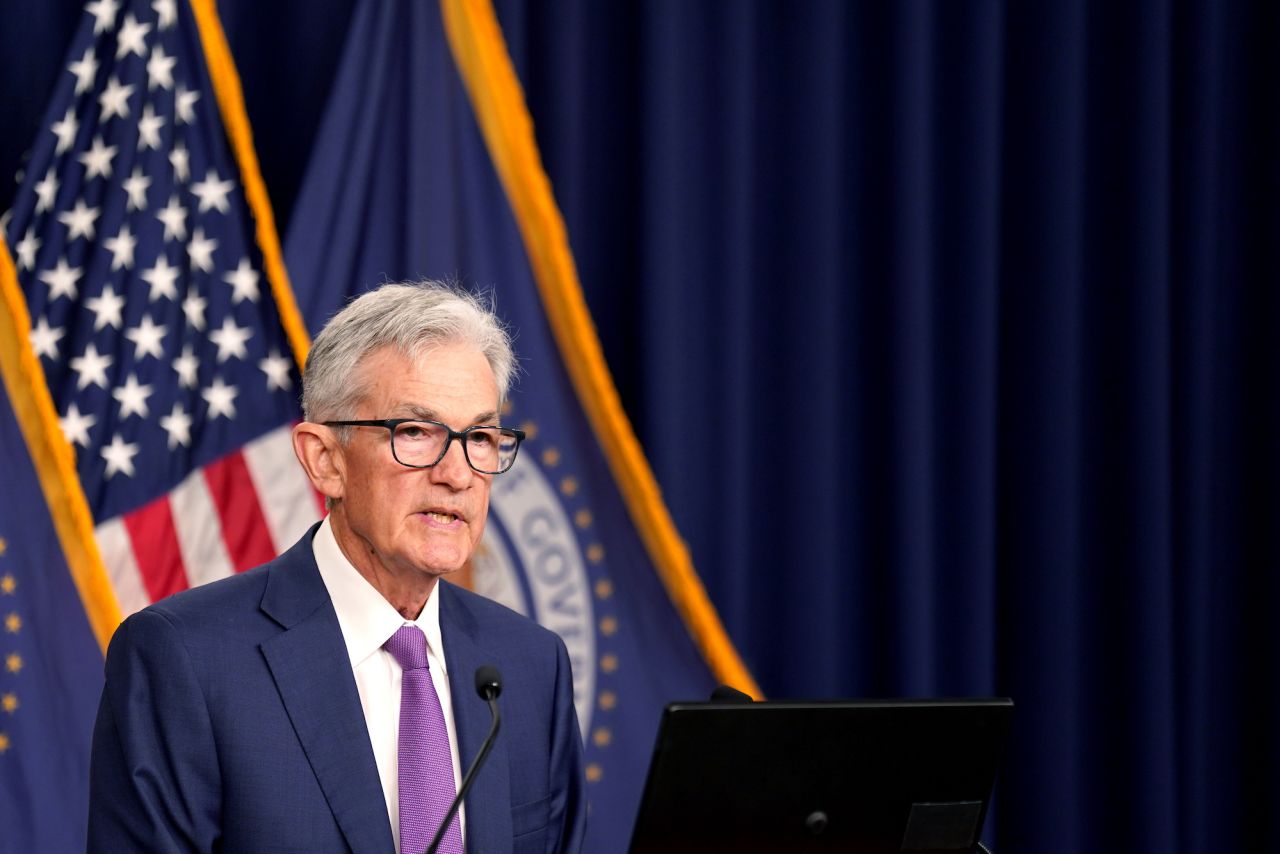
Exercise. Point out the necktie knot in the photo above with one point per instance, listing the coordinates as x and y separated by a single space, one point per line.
408 646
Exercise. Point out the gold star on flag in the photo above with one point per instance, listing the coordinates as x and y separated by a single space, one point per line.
12 623
13 662
7 584
9 702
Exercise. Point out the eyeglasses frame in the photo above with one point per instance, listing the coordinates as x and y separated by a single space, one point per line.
392 423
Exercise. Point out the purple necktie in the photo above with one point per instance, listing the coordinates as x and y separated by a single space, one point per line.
426 763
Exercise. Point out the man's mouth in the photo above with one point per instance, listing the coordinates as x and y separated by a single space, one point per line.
442 517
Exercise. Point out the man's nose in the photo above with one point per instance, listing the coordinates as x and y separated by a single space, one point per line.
453 468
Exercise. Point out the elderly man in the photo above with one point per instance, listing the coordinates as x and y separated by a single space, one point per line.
326 700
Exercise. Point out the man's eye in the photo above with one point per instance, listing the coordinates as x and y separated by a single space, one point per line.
481 437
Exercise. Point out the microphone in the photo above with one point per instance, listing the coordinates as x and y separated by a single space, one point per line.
729 694
488 686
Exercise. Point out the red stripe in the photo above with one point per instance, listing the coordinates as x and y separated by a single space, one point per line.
155 548
244 527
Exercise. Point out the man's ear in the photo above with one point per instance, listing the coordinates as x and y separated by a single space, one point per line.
320 453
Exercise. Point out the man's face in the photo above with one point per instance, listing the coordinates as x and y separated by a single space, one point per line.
405 521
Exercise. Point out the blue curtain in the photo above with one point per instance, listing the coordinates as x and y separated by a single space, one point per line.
952 331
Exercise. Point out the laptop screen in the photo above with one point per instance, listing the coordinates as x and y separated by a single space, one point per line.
870 776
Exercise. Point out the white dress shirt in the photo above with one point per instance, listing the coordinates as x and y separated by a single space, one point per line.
367 621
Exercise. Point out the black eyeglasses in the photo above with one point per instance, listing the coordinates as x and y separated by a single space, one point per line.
422 444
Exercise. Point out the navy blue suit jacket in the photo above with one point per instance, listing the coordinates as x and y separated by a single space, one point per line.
230 721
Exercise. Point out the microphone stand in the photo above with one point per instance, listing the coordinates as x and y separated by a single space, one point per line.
491 698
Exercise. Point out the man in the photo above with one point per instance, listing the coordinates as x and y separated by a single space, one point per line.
326 701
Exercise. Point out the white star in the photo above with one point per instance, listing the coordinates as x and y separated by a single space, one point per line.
136 187
212 192
180 160
187 365
244 283
193 307
91 368
121 247
65 130
44 338
132 398
230 340
46 191
104 13
200 250
115 99
75 426
85 70
178 425
132 37
185 103
221 399
106 309
276 367
27 248
149 129
174 217
119 456
160 69
79 221
97 160
167 11
161 278
146 338
61 280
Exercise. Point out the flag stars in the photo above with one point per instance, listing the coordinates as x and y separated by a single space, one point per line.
178 425
187 366
221 399
212 192
200 251
13 662
13 623
27 248
9 702
8 583
104 14
46 191
119 457
44 338
167 12
180 160
276 367
75 425
174 217
97 160
244 282
85 69
132 37
132 397
62 280
146 338
184 105
135 187
91 368
107 309
231 340
79 221
160 69
162 278
114 99
121 247
65 130
149 129
193 307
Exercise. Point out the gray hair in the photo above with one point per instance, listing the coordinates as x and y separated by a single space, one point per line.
411 318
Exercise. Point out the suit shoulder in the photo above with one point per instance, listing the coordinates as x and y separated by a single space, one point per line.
494 617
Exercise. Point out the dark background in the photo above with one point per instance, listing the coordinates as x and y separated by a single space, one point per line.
951 332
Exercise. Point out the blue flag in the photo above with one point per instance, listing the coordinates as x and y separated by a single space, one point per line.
425 166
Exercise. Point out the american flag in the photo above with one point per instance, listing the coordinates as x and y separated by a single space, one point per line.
159 336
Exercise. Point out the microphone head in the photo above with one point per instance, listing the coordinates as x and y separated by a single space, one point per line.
488 682
729 694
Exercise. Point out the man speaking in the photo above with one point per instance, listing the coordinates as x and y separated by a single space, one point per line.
326 701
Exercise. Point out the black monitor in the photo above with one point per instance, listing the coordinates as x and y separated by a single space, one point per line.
871 777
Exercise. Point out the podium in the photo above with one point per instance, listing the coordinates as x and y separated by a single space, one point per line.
870 777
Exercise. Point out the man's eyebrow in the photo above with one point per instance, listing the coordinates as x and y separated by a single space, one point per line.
422 413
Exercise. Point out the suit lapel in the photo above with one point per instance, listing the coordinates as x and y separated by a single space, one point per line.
488 803
312 671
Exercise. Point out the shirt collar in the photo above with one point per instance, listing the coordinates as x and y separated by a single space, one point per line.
366 618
